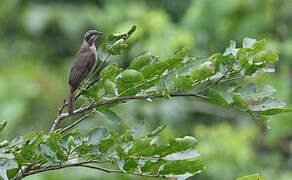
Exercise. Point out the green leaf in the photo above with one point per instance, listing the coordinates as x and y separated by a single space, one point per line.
231 50
249 71
274 111
267 103
130 165
151 166
71 142
203 71
156 131
177 145
12 172
128 79
248 42
117 47
54 142
48 154
259 46
6 165
266 56
142 148
105 144
111 72
116 36
109 114
96 134
183 83
181 53
2 125
109 88
84 148
252 91
217 97
182 167
238 101
183 155
252 177
140 62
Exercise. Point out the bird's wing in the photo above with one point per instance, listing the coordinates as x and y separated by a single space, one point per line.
83 64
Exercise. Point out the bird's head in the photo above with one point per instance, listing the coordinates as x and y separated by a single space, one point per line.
91 35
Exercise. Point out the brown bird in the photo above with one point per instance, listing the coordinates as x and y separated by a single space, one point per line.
84 63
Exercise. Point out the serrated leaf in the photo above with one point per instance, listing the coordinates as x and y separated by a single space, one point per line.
203 71
6 165
248 42
181 53
109 88
252 91
238 101
48 154
183 155
117 47
249 71
177 145
232 50
252 177
128 79
111 115
142 148
12 172
151 166
54 142
182 167
84 148
266 56
259 46
218 98
96 134
267 103
111 72
130 165
183 83
106 144
140 62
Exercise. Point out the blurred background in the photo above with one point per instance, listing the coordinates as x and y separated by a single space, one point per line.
39 39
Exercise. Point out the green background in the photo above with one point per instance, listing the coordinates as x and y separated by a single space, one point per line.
39 39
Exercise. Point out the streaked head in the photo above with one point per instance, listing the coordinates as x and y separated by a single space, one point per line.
91 35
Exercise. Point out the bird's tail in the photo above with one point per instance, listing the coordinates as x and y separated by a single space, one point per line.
71 101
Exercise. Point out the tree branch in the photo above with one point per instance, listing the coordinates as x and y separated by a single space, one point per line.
117 99
80 164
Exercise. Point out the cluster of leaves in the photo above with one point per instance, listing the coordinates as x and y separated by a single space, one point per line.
216 77
105 148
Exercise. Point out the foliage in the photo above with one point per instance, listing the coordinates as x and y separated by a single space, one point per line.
252 177
217 79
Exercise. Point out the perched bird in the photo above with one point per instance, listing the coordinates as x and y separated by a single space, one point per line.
85 61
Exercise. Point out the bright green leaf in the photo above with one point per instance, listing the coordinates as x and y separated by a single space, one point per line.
130 165
252 177
109 114
96 134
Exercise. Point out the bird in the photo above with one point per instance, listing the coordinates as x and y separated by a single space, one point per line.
84 63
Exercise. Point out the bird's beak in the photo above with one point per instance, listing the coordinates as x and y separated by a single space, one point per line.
99 33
